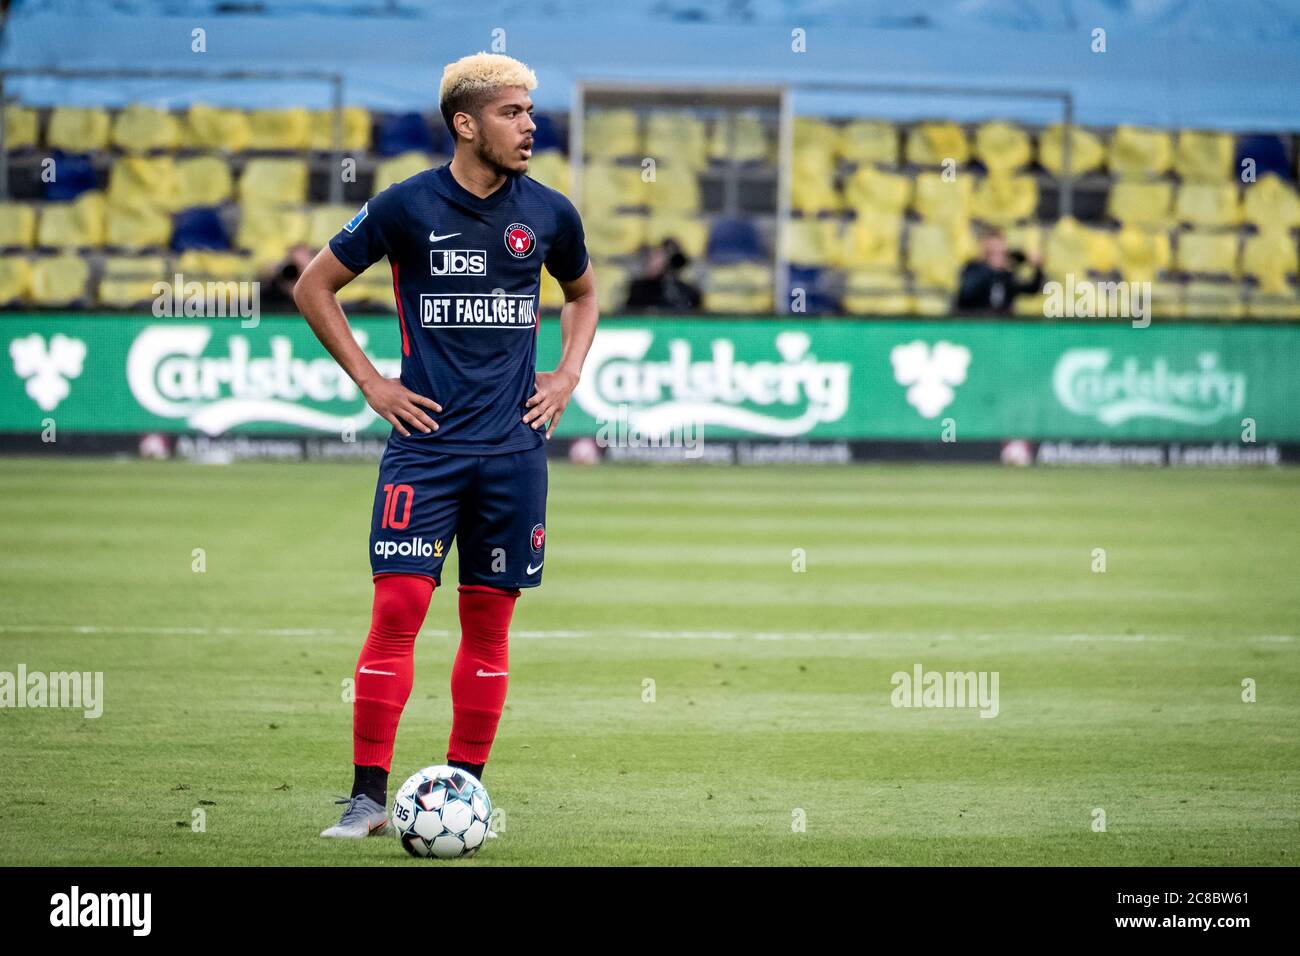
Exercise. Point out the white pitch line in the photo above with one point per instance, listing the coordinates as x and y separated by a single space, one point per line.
731 635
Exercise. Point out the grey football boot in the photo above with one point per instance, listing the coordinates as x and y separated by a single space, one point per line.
362 818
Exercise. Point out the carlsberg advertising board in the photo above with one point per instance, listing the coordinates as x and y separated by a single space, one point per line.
761 378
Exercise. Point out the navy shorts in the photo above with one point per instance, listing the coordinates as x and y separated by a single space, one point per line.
492 506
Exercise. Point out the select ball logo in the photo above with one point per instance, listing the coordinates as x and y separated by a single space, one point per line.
458 262
538 538
520 240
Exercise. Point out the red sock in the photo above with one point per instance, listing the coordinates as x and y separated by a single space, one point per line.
387 666
478 677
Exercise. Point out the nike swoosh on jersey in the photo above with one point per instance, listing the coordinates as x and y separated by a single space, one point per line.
534 570
434 237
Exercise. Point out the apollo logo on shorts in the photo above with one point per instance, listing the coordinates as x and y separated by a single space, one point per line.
520 240
458 262
413 548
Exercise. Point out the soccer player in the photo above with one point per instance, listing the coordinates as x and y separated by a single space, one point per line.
466 459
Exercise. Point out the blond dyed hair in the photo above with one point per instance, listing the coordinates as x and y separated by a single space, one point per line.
473 80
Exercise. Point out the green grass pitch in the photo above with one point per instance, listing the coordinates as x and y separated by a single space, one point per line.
1119 691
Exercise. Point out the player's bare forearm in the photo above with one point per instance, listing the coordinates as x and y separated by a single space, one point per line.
578 321
316 295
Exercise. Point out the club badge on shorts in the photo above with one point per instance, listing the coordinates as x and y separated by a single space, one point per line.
520 240
538 537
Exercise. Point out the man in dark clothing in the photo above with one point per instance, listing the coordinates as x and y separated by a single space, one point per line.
989 284
660 285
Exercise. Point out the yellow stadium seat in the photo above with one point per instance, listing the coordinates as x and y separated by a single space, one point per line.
943 200
141 182
1002 148
674 189
609 134
871 188
202 181
1206 204
140 128
744 287
876 292
325 222
1029 305
21 127
606 187
1213 300
1270 258
1142 253
1139 153
1282 305
869 141
812 184
551 296
551 168
1133 202
286 130
1026 239
356 129
17 225
817 136
137 227
739 136
931 302
15 280
128 281
203 265
59 280
209 127
1208 253
812 242
1003 199
76 129
676 137
615 235
690 233
73 225
1167 300
1272 203
400 167
872 240
374 287
267 232
933 144
1086 150
272 182
1204 156
611 289
1073 249
934 256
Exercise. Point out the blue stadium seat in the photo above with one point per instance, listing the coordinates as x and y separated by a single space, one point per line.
397 133
1269 154
199 229
548 135
813 281
734 240
73 175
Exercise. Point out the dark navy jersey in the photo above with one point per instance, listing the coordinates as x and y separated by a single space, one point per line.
466 274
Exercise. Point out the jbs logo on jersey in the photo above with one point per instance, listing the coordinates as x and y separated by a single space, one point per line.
458 262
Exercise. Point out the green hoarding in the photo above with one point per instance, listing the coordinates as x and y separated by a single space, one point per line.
779 378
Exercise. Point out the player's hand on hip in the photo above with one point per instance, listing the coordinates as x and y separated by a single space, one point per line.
550 400
400 406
